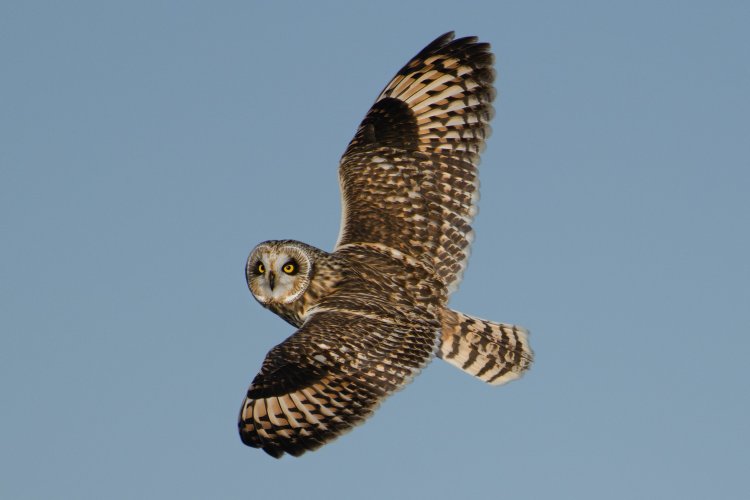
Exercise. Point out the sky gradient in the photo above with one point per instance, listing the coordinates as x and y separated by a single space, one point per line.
146 147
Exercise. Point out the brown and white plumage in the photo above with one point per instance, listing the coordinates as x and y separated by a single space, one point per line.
409 177
374 312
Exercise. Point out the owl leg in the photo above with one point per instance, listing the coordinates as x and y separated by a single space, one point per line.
493 352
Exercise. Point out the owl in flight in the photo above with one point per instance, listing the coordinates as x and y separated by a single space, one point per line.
372 313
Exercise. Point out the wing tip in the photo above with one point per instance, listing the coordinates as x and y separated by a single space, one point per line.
438 43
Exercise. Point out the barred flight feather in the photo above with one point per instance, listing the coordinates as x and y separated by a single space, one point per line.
419 145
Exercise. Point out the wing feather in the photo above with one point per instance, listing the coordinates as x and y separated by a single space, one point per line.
409 177
308 393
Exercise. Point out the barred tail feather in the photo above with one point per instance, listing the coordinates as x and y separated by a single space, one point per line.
493 352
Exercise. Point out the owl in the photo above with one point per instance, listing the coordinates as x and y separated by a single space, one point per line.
372 313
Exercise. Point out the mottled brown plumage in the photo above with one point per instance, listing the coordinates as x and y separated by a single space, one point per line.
374 312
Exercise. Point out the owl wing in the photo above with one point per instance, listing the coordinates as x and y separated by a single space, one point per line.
328 377
409 177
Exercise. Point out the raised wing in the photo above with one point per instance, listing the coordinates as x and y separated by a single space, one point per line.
409 176
328 377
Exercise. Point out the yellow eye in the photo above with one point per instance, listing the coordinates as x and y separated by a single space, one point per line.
260 268
289 268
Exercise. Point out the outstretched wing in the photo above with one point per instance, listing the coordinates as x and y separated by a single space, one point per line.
328 377
409 177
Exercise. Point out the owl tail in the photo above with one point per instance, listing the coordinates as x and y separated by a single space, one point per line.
494 352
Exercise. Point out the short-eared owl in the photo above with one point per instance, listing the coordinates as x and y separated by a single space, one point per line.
371 314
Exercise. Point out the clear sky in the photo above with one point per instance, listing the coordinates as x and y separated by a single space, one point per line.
146 147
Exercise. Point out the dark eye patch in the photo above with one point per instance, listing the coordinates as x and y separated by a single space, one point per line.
291 267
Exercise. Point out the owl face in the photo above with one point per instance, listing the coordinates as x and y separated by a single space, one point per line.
278 271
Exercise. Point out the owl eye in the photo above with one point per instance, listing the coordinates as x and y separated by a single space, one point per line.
260 268
290 267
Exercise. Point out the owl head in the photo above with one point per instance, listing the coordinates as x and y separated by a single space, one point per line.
279 271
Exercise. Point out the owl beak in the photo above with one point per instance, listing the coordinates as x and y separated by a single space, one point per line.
272 279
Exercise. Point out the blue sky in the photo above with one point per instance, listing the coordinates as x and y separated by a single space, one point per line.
148 146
